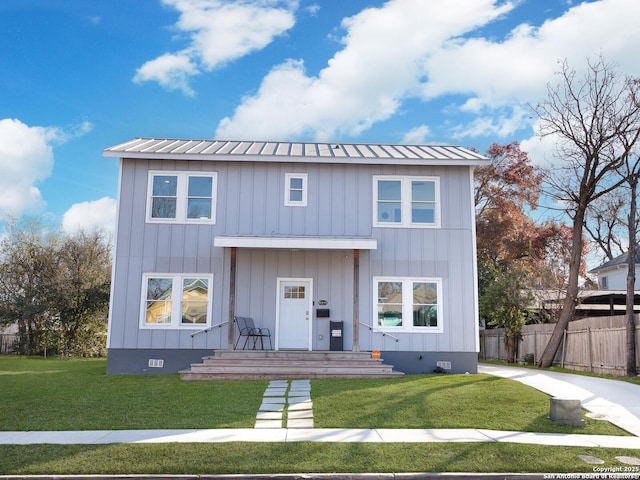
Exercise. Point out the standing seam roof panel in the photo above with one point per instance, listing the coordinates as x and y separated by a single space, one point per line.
269 148
296 149
198 148
255 148
283 149
407 153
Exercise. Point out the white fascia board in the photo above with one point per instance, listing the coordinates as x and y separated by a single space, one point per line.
298 159
298 243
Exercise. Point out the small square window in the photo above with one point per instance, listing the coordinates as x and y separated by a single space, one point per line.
295 190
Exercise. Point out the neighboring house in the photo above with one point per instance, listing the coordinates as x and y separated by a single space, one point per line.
612 275
294 235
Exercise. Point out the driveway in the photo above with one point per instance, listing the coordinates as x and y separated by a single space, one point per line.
612 400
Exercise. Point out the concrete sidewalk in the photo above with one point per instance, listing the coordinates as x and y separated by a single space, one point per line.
613 400
96 437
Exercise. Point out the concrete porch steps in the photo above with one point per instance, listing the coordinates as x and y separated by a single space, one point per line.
271 364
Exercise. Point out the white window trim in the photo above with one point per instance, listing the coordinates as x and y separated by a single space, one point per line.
287 190
176 311
406 199
407 305
182 197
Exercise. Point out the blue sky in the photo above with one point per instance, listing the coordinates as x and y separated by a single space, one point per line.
78 76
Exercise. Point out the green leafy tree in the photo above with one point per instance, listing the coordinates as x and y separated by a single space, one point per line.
503 302
55 288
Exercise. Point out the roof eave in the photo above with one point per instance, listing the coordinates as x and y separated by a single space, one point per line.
297 159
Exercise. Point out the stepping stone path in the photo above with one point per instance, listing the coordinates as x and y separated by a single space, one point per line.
286 404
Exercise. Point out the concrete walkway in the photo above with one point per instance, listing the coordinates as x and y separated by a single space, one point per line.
288 402
615 401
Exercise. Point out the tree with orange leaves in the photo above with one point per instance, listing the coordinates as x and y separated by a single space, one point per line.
515 254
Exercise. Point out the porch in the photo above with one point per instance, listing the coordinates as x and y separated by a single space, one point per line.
284 364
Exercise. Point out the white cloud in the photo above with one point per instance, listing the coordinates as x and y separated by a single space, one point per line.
429 49
89 216
508 74
169 70
219 32
26 157
417 136
382 63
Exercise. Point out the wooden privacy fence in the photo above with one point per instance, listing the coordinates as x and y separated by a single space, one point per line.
594 344
6 342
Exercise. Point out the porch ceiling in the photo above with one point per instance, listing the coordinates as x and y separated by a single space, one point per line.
298 243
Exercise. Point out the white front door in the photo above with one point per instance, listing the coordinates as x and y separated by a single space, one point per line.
294 313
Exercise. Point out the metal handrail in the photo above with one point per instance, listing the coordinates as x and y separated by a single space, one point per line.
384 334
209 328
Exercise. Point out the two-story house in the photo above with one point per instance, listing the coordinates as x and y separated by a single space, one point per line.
294 235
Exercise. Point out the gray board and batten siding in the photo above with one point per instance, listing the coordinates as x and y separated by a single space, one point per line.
249 203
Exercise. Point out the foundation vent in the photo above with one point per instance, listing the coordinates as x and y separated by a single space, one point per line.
444 365
156 363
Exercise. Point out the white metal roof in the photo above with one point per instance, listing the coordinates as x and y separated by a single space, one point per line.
174 149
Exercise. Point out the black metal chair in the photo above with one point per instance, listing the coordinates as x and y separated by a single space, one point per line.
248 329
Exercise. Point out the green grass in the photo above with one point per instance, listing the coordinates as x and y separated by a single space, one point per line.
439 401
53 394
77 394
309 457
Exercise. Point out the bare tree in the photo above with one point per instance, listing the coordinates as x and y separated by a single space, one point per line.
632 177
595 121
606 225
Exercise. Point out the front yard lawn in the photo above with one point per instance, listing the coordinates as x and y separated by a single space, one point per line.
53 394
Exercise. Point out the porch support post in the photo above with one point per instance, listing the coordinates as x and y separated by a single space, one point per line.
356 300
232 298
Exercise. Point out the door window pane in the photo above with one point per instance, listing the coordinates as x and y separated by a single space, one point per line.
294 292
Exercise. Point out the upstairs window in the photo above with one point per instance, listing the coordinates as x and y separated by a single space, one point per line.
181 197
295 189
406 202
